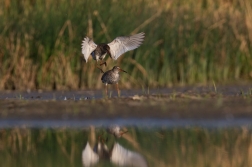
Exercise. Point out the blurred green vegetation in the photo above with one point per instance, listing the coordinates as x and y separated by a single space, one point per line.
164 147
187 42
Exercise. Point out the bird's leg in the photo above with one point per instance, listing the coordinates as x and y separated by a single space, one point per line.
102 140
118 91
99 67
106 89
103 63
100 70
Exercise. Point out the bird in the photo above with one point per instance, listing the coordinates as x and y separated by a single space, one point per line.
116 131
112 77
118 155
115 48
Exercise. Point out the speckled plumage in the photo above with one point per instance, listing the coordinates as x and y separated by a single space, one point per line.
112 77
100 52
115 49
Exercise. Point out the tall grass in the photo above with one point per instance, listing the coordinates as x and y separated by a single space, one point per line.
187 42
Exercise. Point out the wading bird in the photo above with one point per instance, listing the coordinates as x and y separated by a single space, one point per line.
115 48
112 77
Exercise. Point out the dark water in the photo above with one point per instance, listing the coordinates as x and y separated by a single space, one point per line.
155 146
143 123
144 142
98 94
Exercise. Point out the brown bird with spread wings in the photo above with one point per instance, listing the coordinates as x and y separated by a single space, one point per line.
115 48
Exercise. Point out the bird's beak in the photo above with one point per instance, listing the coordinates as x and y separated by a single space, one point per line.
123 70
121 133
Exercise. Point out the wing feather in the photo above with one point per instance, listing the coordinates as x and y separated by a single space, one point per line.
121 45
123 157
87 47
89 157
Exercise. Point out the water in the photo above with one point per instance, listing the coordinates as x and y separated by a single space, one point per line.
156 146
143 123
28 140
98 94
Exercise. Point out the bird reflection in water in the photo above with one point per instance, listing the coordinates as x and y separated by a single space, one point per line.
117 154
116 131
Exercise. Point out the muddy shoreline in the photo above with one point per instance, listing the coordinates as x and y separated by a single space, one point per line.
181 103
165 107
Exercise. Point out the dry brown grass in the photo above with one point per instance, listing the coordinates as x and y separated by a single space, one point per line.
187 42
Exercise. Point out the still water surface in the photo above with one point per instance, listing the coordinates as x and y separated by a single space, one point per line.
149 142
98 94
145 145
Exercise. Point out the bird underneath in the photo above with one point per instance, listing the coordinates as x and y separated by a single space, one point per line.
116 131
112 77
114 49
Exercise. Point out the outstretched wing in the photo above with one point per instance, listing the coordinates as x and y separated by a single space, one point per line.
87 46
121 45
123 157
89 157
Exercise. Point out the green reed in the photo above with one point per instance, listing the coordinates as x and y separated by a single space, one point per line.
187 42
